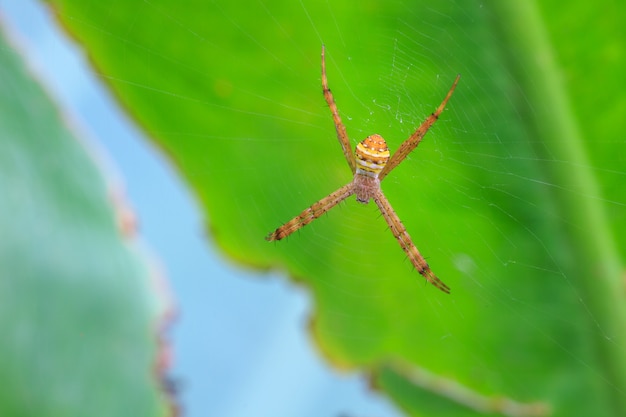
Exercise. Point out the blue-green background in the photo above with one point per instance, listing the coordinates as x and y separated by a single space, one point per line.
216 372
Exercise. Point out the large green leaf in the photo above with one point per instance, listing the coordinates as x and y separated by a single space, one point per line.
515 196
80 309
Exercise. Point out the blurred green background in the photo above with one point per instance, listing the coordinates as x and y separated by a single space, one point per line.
515 197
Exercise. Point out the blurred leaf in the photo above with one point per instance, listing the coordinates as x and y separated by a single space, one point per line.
513 197
80 311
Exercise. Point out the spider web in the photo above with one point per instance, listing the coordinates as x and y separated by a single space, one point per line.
480 156
475 196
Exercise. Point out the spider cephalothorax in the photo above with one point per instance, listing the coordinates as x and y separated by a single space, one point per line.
370 163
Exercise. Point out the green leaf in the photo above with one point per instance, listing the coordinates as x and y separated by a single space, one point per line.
80 309
515 196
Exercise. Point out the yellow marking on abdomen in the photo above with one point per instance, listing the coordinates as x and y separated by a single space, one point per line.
371 155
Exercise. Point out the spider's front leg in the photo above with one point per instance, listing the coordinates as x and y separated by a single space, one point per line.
311 213
400 233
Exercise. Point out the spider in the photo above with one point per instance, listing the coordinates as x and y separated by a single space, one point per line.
370 164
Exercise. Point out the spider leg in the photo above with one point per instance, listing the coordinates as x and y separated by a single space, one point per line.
400 233
411 143
312 213
342 135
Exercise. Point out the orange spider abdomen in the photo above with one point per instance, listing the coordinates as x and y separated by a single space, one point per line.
371 155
